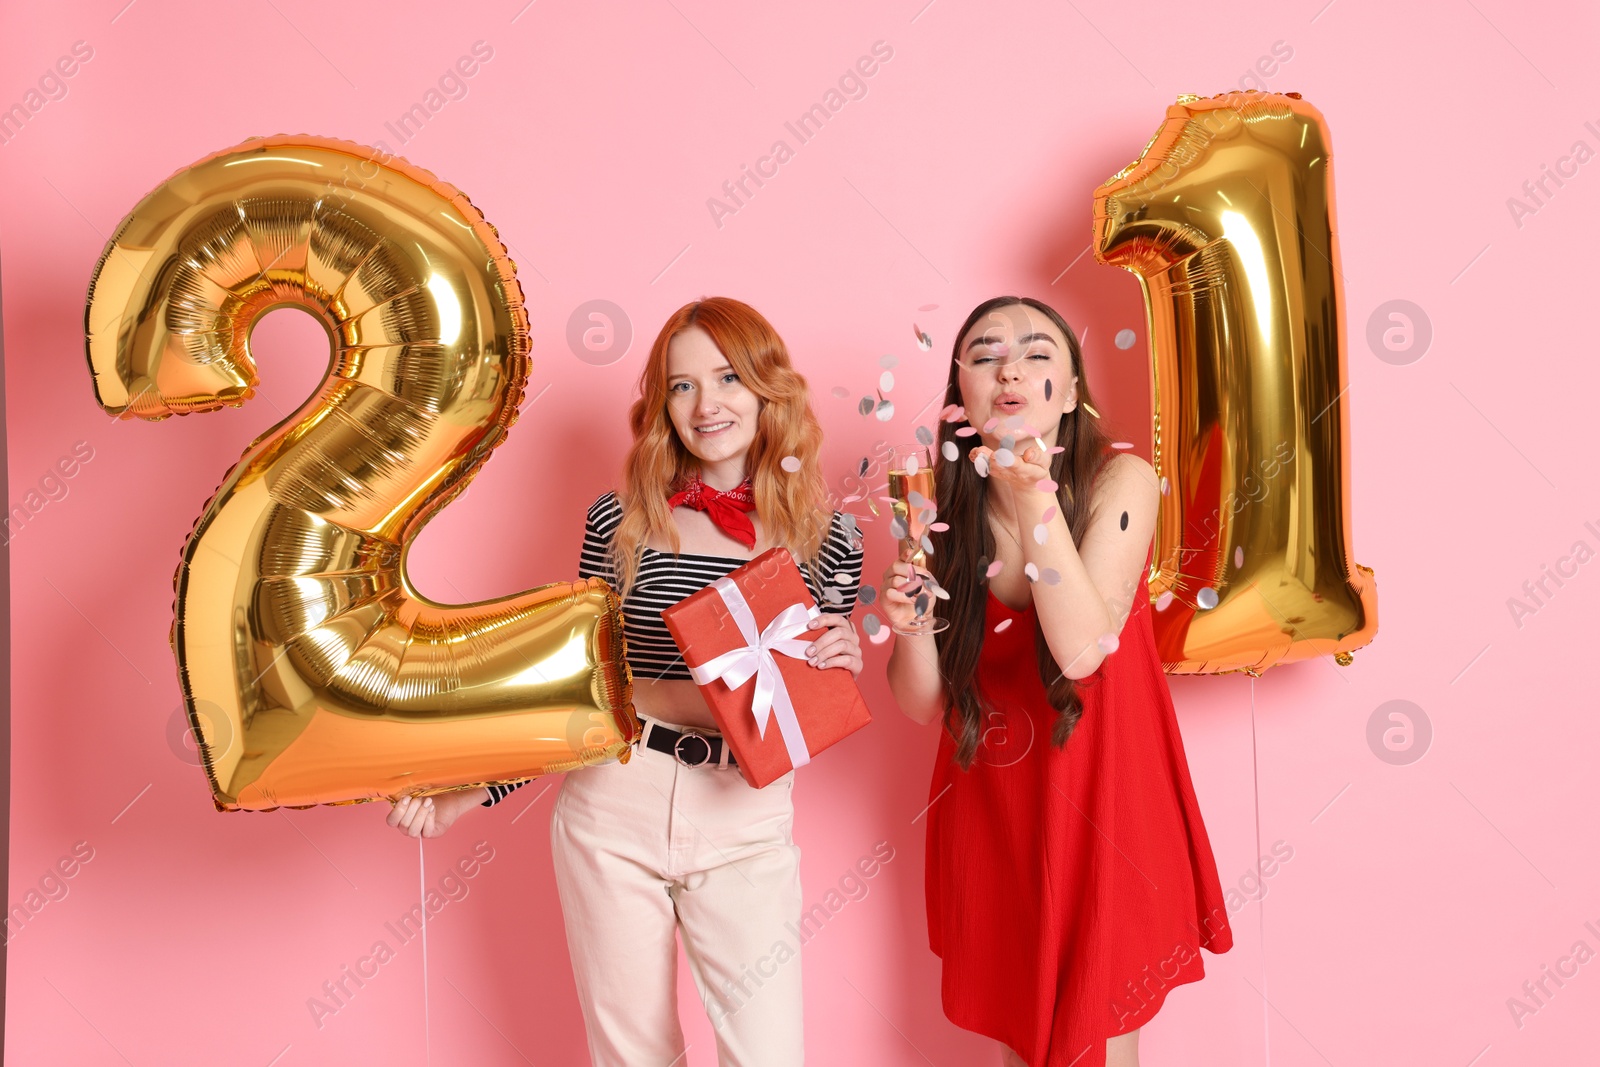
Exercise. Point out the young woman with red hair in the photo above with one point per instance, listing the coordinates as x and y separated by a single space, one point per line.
724 465
1070 881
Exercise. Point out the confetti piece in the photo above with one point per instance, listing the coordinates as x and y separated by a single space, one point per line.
840 391
1125 338
990 425
929 307
912 463
927 545
965 431
994 568
1032 572
886 381
871 624
1238 556
953 413
924 342
1164 601
843 578
949 451
880 637
790 463
866 405
1013 421
982 465
1166 487
916 499
885 411
1008 441
1002 625
832 595
1045 485
1057 448
1005 457
1122 444
888 359
924 436
1206 597
1049 514
897 527
868 595
1050 576
862 467
1041 533
1108 643
938 527
1049 389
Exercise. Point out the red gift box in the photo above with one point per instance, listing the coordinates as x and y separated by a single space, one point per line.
744 639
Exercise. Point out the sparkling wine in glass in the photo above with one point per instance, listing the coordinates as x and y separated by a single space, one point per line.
911 487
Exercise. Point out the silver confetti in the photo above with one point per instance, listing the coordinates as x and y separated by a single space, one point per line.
924 436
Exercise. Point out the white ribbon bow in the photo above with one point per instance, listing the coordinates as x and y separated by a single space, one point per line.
755 657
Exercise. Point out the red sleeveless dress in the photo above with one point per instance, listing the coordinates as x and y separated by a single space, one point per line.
1069 889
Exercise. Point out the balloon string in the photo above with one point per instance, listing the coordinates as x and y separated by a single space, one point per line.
1261 905
422 897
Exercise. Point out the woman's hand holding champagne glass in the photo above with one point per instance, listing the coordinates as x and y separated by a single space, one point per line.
908 588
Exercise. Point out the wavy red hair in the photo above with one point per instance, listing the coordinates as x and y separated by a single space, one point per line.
792 506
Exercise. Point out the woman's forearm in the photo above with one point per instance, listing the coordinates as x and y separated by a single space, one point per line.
1072 613
914 678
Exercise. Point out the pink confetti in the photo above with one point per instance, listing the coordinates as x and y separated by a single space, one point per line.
929 307
953 413
1057 448
1045 485
1122 444
965 431
1108 643
1002 624
1164 601
989 426
994 568
1049 514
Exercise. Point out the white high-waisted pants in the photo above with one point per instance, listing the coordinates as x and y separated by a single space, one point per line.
650 847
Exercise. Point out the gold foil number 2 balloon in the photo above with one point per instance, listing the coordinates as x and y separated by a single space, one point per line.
1227 219
312 672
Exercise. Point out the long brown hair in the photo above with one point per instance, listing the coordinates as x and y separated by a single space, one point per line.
792 505
962 552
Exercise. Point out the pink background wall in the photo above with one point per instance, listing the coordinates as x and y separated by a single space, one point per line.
1419 897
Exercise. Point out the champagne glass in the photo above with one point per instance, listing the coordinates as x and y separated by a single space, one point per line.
911 486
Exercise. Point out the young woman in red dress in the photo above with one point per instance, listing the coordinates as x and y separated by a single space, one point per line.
1070 881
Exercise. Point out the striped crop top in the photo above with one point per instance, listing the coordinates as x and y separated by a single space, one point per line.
663 579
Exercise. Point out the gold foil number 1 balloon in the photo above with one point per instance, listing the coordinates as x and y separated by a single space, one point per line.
312 671
1227 220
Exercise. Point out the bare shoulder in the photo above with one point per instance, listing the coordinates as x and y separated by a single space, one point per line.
1126 478
1126 495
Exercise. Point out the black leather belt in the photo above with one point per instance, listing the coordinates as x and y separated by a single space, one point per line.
689 746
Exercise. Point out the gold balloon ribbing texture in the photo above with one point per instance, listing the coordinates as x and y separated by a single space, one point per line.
312 672
1227 220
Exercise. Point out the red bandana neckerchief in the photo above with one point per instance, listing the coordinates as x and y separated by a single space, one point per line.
728 508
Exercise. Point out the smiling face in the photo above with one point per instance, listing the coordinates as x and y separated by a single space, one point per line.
1015 362
713 412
